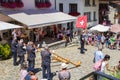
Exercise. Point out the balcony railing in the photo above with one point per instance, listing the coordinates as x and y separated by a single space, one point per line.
100 74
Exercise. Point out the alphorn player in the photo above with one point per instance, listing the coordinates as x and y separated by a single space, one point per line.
45 62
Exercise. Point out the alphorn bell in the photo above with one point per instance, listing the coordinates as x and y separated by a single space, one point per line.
61 59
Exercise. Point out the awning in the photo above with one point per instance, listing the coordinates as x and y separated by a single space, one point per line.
100 28
39 18
5 26
115 28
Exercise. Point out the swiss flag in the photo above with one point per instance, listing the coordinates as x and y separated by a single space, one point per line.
81 22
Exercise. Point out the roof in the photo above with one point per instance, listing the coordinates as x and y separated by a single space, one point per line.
5 26
39 18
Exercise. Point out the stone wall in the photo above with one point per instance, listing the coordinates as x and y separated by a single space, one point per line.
56 45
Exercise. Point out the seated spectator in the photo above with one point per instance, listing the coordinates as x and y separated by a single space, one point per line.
31 76
64 74
117 68
60 35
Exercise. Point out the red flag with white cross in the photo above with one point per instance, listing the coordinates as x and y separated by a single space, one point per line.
81 22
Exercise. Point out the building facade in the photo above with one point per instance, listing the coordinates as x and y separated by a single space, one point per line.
110 10
80 8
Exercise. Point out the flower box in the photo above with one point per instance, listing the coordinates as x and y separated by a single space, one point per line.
74 13
19 4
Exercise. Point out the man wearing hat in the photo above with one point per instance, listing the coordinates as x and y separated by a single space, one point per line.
46 60
64 74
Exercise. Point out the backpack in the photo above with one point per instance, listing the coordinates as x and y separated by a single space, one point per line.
97 65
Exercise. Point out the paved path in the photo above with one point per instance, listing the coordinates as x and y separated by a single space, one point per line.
10 72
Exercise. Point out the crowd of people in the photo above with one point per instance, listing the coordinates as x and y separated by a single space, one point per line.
24 54
101 63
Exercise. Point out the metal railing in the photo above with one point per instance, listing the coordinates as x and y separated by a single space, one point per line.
96 74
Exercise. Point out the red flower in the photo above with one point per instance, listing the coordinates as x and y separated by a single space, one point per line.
43 5
12 5
19 4
5 4
39 5
48 4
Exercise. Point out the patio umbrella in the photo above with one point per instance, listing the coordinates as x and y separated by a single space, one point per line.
99 28
5 26
115 28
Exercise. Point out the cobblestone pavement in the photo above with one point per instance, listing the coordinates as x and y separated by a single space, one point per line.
10 72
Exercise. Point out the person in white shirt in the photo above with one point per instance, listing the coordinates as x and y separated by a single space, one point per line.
105 65
14 34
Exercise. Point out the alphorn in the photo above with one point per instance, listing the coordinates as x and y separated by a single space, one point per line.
61 59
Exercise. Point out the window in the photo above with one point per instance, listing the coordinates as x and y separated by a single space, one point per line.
72 8
94 16
88 16
93 3
61 7
87 2
42 3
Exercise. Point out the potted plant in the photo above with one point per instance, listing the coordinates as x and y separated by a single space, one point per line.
5 51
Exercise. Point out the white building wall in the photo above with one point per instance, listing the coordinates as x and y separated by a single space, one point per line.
30 4
81 8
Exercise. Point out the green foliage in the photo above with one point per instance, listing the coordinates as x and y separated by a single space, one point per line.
5 51
118 75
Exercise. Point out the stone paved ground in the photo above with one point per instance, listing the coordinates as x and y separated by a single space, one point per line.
10 72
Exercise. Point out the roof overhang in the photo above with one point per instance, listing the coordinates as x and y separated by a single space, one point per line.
39 18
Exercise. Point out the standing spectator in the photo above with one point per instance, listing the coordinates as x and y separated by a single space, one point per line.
107 40
14 34
82 42
20 51
68 34
0 36
105 64
46 60
66 40
23 70
98 55
98 39
112 41
102 40
64 74
31 35
71 35
31 55
37 35
14 51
